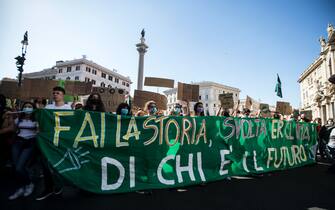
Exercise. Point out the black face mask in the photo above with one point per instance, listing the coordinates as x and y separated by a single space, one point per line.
95 101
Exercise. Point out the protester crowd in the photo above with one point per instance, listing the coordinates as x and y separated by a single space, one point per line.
19 129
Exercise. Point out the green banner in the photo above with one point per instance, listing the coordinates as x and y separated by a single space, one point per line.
105 153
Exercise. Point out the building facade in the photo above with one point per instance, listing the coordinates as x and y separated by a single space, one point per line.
316 92
86 71
208 94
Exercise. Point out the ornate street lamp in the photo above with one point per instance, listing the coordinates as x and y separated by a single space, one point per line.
20 59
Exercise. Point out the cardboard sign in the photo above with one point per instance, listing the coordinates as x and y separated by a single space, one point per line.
289 110
159 82
308 114
78 88
10 89
248 103
41 88
141 97
264 107
283 108
227 100
31 88
188 92
111 97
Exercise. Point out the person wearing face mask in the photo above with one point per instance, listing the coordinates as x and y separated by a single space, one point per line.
177 110
124 110
22 150
94 103
199 109
151 108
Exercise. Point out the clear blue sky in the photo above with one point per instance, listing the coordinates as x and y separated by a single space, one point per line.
243 44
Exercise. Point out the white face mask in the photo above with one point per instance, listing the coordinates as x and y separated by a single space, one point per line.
27 110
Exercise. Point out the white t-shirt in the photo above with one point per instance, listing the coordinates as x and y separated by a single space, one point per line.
53 106
331 142
27 128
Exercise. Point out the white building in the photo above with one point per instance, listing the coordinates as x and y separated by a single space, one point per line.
84 70
208 95
316 92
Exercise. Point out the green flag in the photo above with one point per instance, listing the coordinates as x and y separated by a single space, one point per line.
61 83
278 87
67 98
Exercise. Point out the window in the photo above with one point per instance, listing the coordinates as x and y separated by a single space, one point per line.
127 84
93 81
109 86
102 84
94 71
60 71
77 68
68 69
123 83
206 97
76 78
214 105
103 75
87 79
68 78
53 77
116 80
88 69
110 78
199 97
206 105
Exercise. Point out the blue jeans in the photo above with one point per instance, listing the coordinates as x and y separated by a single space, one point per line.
22 151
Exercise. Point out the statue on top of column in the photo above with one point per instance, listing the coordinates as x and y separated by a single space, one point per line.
143 33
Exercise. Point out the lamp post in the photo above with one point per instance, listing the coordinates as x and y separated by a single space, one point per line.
20 59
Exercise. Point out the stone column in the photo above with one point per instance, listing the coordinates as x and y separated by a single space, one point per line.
321 115
142 49
332 57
